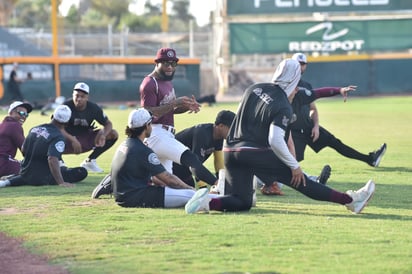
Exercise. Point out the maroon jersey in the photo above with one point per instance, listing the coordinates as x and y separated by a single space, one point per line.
155 92
11 137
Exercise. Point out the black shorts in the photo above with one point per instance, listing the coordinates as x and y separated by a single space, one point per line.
87 141
70 175
301 138
150 196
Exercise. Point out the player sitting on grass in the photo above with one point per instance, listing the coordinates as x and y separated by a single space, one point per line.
42 150
138 177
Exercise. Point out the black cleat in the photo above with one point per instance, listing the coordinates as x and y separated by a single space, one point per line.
377 156
103 188
324 175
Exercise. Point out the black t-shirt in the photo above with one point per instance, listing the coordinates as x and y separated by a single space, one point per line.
262 104
199 139
81 121
41 142
301 106
132 167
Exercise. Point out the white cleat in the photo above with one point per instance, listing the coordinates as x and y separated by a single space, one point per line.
199 202
360 197
91 166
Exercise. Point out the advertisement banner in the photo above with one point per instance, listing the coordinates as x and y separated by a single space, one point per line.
331 37
253 7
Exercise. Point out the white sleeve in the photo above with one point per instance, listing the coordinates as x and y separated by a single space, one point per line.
277 143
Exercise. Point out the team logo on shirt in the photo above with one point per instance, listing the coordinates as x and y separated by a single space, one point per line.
59 146
40 132
285 121
263 96
152 158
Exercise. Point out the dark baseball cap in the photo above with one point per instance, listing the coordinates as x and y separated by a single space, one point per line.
225 117
166 54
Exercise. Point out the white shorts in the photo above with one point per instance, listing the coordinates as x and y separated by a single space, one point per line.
167 148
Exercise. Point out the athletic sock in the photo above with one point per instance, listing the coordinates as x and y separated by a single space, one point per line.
340 197
99 150
215 204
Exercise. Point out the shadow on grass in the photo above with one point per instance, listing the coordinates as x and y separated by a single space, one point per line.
393 169
365 215
386 196
81 188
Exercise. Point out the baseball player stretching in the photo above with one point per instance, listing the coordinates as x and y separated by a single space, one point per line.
204 140
307 131
256 145
158 96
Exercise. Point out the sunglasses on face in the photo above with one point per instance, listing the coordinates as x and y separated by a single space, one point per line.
22 113
173 64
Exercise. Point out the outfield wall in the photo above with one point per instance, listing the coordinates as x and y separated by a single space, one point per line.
384 74
374 75
117 86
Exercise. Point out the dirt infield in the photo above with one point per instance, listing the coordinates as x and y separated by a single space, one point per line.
15 259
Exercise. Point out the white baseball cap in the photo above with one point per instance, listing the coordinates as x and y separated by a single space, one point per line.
20 104
82 87
300 57
62 114
138 118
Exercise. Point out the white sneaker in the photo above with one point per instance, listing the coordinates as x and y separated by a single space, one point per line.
4 183
199 202
91 166
360 197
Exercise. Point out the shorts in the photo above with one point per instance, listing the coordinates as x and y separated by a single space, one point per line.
301 138
70 175
9 166
86 140
150 196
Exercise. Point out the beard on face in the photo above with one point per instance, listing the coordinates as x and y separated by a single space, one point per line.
166 77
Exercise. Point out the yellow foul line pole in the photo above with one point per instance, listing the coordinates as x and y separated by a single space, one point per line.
55 51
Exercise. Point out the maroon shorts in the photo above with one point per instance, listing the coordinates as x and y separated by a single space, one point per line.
86 140
9 166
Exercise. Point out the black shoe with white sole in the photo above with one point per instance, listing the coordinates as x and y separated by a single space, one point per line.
103 188
324 175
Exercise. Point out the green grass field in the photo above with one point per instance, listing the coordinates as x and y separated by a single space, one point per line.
289 234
